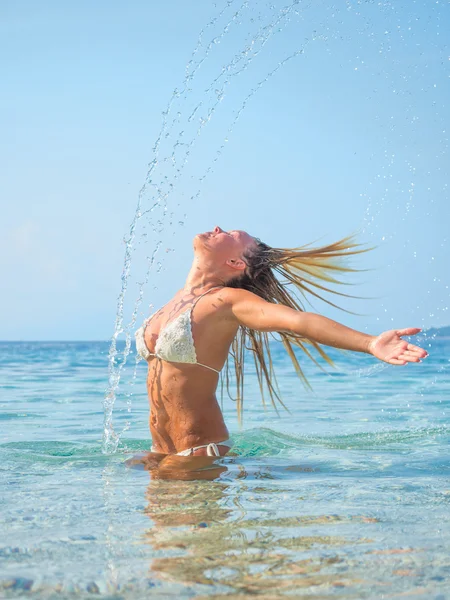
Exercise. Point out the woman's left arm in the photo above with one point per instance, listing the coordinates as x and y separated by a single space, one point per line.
252 311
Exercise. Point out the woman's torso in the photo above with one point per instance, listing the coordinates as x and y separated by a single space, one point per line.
184 411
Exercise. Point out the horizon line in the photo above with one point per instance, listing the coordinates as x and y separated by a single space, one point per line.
80 341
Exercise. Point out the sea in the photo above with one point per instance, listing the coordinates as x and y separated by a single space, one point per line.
344 495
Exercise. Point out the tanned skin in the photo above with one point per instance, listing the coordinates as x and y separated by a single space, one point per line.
184 411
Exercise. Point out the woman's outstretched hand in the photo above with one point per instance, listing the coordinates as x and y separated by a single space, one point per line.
390 347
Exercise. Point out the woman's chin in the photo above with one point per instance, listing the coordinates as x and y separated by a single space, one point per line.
201 240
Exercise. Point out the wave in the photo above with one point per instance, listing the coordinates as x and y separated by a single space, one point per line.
257 442
266 442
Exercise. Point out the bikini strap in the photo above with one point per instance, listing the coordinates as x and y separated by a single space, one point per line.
192 308
147 320
204 294
210 368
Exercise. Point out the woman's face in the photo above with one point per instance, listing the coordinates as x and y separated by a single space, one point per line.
223 246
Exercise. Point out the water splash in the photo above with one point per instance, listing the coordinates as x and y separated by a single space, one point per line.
163 189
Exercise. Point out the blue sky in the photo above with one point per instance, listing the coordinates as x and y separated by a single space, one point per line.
351 135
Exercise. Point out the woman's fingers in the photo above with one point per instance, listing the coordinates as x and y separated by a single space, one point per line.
408 331
396 361
409 356
414 353
420 351
403 357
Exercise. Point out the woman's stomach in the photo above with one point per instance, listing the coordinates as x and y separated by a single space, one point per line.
184 411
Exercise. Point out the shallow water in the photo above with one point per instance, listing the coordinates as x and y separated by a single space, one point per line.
347 496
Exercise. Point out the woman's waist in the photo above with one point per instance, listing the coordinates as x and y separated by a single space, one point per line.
186 415
187 423
175 441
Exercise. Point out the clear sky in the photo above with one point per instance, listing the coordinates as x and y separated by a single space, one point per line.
350 135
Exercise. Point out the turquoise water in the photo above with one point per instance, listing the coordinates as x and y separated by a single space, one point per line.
347 496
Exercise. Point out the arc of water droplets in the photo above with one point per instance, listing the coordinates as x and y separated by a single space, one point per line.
110 437
285 13
262 36
252 92
268 32
195 196
189 76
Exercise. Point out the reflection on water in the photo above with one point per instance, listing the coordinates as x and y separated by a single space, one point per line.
354 507
196 528
206 537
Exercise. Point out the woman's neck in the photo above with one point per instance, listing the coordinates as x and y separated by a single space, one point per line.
203 276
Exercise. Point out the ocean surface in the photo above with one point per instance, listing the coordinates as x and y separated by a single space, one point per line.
345 496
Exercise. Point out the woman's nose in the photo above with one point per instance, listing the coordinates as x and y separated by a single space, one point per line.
217 229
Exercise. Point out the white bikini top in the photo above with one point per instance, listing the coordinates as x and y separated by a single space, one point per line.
175 342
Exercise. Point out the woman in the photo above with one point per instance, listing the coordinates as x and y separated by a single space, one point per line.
232 300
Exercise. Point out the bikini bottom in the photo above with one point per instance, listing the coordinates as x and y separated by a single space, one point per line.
211 449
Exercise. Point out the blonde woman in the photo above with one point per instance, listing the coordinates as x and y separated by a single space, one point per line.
232 299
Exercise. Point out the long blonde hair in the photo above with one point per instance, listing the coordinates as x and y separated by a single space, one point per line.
301 272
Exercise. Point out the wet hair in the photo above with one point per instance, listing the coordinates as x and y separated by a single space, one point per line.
289 277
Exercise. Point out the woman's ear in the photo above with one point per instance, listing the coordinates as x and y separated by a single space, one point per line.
236 263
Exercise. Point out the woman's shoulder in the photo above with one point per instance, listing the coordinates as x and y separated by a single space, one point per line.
231 295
